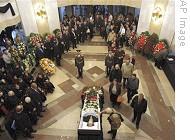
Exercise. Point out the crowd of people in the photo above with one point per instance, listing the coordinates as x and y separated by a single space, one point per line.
22 98
23 95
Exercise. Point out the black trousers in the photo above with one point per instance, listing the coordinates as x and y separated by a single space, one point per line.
114 132
108 70
80 72
58 60
74 44
131 93
137 117
124 82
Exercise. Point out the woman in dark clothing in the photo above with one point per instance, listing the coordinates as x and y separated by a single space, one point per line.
114 91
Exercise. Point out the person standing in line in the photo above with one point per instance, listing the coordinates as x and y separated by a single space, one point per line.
79 63
57 53
111 37
119 55
116 73
114 91
127 70
139 105
132 86
73 38
109 62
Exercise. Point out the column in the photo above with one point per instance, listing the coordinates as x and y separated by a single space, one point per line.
52 14
42 22
167 32
155 27
145 15
27 16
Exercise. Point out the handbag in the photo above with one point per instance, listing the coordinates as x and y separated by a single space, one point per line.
120 99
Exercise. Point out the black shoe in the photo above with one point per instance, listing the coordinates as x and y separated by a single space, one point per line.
137 127
1 130
40 115
34 131
109 132
133 120
30 136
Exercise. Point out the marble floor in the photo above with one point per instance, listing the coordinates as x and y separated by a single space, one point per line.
61 120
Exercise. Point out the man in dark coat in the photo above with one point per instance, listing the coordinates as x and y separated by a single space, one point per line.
79 63
36 98
109 62
61 43
116 74
22 122
73 38
119 55
57 53
132 86
39 53
67 41
30 109
139 104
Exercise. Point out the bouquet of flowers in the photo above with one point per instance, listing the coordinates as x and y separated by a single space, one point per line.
14 55
47 66
34 39
21 47
158 47
151 41
141 41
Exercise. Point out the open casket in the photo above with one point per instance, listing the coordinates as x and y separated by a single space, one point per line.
90 126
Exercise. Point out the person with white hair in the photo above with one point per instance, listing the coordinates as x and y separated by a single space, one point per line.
30 109
139 105
22 122
11 100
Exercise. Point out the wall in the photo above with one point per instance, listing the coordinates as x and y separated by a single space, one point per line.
6 19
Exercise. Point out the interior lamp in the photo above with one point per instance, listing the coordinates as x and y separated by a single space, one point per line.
157 14
41 12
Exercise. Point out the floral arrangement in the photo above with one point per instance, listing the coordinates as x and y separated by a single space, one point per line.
152 40
47 66
34 39
14 55
49 37
21 47
92 99
141 41
158 47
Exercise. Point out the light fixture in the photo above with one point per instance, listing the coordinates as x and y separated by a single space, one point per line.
41 12
157 14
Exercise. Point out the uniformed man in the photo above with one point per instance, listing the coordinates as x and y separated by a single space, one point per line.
109 62
79 63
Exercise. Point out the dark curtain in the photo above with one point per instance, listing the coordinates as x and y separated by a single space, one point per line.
5 8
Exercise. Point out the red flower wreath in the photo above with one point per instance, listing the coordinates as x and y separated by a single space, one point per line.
159 46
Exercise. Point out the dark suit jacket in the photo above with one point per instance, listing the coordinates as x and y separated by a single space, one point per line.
115 74
139 107
109 61
79 61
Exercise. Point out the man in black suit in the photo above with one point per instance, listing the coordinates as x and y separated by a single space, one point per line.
67 41
79 63
39 53
109 62
139 104
73 38
57 53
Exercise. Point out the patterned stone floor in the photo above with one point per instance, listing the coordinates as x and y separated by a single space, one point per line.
61 120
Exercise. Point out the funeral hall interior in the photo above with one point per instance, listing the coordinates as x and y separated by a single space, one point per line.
87 69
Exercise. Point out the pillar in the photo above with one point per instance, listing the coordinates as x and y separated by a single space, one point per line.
145 15
156 27
32 22
167 32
